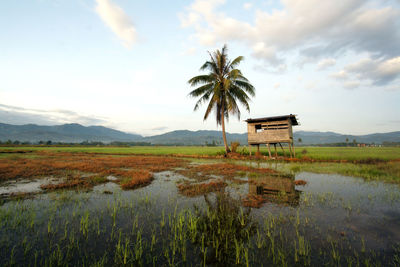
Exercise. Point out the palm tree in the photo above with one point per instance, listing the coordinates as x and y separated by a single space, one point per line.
224 86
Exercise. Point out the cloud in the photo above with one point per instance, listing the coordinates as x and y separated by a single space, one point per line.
117 20
277 85
189 51
161 128
341 75
18 116
351 84
310 28
247 5
325 63
378 71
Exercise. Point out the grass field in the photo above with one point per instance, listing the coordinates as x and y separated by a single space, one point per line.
317 153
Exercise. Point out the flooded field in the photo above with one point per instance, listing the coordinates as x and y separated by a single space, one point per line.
194 213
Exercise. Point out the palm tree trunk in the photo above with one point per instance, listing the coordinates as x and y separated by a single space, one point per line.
227 150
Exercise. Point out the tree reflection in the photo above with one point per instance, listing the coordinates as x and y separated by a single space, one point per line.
224 228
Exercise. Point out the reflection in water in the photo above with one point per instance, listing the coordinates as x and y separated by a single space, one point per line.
272 189
224 228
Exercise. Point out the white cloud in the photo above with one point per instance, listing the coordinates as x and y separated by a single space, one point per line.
341 75
277 85
117 20
313 29
378 71
351 84
189 51
325 63
19 115
247 5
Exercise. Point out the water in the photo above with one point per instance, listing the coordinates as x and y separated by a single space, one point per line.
265 220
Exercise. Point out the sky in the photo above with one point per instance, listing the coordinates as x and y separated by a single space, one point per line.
126 64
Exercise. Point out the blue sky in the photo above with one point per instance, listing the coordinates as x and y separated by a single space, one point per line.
125 64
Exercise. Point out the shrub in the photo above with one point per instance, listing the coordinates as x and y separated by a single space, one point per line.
234 146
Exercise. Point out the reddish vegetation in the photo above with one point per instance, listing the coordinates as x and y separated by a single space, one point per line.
140 178
253 201
225 170
69 184
138 169
300 182
196 189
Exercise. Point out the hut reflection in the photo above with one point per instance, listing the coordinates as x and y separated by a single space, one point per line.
273 189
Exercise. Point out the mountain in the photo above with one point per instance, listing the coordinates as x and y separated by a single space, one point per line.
71 133
185 137
315 138
76 133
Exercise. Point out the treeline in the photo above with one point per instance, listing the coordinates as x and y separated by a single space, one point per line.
84 143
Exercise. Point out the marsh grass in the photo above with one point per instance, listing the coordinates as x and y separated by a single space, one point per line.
316 153
217 231
383 171
86 170
198 189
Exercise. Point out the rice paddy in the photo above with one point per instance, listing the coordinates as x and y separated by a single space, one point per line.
80 209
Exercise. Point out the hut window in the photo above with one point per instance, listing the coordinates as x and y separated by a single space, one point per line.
258 128
277 126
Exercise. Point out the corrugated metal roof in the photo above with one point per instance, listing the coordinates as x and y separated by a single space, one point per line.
275 118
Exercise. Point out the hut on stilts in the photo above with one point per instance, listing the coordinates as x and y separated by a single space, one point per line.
272 131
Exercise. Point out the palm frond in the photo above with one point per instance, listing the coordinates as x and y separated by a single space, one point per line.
236 62
202 99
248 87
201 79
240 95
201 90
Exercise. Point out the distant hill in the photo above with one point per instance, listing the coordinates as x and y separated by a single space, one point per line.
185 137
331 137
76 133
71 133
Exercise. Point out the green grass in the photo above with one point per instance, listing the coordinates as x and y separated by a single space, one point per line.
382 171
349 153
153 150
317 153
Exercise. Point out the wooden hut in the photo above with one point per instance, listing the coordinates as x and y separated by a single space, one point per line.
272 131
274 189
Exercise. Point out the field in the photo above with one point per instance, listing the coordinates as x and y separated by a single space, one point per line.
317 153
191 206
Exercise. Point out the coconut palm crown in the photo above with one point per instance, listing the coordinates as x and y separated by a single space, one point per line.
223 88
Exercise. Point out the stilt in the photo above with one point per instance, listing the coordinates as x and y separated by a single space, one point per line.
250 149
258 149
290 150
269 150
283 150
294 151
276 152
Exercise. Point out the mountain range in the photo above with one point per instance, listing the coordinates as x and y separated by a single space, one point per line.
76 133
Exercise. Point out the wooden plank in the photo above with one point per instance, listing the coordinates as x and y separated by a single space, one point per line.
271 122
294 151
283 150
269 150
